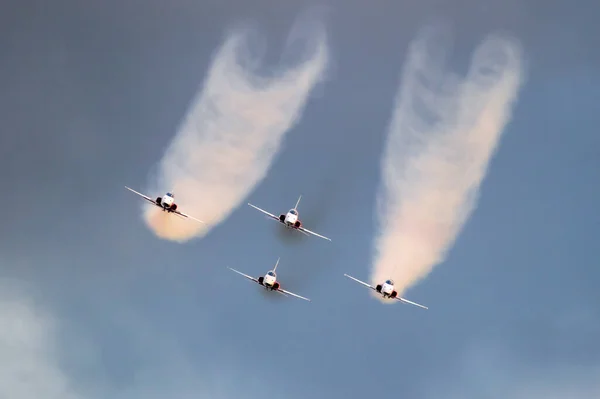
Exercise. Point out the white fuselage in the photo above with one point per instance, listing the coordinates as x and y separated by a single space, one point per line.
167 201
291 217
387 289
269 280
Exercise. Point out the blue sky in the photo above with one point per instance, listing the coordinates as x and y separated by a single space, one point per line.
93 305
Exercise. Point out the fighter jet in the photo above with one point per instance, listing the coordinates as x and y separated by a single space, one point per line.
386 290
166 203
291 220
269 282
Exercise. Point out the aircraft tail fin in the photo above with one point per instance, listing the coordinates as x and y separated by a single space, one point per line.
297 203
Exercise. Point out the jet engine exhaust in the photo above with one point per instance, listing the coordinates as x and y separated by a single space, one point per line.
234 128
442 134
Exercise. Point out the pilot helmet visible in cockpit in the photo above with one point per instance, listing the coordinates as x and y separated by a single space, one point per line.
389 282
271 274
293 212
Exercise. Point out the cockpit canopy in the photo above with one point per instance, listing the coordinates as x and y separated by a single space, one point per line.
271 273
389 282
294 212
170 195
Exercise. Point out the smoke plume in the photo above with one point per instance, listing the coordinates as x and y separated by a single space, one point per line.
441 137
234 129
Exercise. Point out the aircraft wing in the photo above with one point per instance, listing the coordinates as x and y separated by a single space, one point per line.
305 230
412 303
142 195
245 275
265 212
361 282
292 294
188 216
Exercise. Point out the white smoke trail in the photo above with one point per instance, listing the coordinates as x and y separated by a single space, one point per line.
442 135
233 130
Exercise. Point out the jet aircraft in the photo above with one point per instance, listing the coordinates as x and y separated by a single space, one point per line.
270 283
166 203
386 290
291 220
